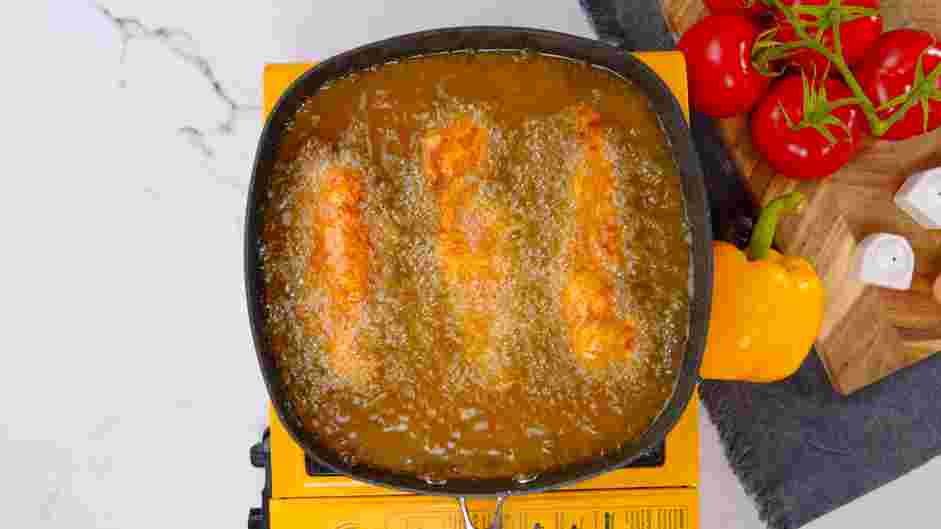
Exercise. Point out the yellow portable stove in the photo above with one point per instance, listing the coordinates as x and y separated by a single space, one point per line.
657 491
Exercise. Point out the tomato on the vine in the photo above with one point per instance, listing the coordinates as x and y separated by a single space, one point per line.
891 73
723 81
860 28
800 133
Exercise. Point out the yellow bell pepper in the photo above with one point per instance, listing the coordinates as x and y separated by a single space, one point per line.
767 308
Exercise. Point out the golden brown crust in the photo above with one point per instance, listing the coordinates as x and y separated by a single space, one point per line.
597 335
340 267
449 154
473 247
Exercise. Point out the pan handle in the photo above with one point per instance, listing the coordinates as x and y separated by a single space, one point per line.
496 523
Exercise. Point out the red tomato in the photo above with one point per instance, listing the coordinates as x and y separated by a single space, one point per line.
889 71
795 149
856 36
732 7
723 81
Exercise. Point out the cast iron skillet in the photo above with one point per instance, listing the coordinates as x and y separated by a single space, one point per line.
488 38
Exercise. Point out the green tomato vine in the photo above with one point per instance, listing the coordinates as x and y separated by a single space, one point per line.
832 16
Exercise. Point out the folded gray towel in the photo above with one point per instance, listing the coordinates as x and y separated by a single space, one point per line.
801 449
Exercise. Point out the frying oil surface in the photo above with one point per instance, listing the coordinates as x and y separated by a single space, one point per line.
419 318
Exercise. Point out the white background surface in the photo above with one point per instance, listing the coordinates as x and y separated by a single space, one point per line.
129 390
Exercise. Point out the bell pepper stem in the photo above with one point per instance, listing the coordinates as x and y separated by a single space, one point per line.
763 235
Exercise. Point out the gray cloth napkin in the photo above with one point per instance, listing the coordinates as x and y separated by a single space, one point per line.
799 448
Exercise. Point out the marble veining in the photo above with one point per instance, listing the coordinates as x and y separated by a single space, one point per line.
183 45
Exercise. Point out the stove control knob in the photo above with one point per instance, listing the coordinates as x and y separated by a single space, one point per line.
261 451
259 455
256 518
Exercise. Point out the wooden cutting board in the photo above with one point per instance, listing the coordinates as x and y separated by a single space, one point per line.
868 332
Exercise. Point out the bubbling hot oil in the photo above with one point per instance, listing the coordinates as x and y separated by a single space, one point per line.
530 405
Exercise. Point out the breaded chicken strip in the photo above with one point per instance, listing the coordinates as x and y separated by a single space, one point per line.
597 336
473 245
340 268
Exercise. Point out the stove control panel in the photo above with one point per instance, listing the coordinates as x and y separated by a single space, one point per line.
656 509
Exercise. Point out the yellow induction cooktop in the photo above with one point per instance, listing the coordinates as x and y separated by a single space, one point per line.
659 492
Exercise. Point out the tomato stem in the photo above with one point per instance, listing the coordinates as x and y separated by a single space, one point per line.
844 102
876 124
898 114
763 235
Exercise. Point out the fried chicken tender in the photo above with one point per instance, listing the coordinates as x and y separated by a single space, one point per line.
340 266
473 248
449 154
596 334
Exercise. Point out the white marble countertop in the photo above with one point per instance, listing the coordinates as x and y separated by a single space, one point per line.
130 392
